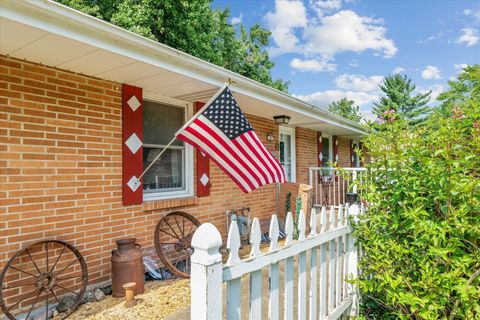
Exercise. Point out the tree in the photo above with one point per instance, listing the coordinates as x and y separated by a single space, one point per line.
346 109
192 27
420 236
464 89
399 97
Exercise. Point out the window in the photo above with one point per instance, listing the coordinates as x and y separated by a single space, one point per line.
171 175
287 152
327 153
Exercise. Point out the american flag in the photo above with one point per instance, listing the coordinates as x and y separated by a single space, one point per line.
222 131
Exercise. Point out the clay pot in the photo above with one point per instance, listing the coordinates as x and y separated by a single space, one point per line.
127 266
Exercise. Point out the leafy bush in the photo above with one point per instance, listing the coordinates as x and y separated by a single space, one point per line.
420 237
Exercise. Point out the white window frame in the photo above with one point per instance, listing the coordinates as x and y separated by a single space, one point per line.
189 170
330 145
290 131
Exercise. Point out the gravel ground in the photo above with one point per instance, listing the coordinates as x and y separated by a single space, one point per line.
160 300
168 300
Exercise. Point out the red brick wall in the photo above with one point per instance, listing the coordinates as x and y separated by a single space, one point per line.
344 157
307 154
60 168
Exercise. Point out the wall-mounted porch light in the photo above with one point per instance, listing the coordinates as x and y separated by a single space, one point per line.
283 119
269 136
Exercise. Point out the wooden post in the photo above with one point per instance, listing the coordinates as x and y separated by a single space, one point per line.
353 211
302 270
206 274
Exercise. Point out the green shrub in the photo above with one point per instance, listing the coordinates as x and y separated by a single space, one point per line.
420 237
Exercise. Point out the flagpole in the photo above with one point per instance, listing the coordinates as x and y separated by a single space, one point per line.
157 157
206 105
229 81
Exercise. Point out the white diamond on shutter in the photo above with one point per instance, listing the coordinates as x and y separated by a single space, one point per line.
133 103
204 179
134 183
133 143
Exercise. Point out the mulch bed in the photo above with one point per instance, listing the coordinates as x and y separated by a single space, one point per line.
160 300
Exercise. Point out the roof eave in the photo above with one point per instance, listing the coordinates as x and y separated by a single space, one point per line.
46 14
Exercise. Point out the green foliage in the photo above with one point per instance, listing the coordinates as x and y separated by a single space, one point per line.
466 87
399 97
420 236
298 207
346 109
288 205
192 27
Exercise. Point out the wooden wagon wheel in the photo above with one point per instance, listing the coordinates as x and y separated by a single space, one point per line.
44 272
173 237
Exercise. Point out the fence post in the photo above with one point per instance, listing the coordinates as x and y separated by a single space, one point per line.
206 274
353 211
354 181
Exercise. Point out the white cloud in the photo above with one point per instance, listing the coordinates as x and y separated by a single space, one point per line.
288 15
358 82
322 37
323 6
431 72
312 65
475 14
363 90
398 70
436 36
436 90
323 98
354 63
460 66
368 115
469 37
236 20
347 31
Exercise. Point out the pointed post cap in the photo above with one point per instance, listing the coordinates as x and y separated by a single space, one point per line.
206 243
354 211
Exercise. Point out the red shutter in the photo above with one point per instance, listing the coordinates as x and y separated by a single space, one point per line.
335 148
319 149
132 149
351 154
203 167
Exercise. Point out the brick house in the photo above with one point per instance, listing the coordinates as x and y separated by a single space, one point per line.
66 80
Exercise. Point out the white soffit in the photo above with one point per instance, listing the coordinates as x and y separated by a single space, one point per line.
64 50
131 72
14 36
164 79
59 36
96 62
189 87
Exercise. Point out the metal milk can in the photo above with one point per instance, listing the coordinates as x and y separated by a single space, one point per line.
127 266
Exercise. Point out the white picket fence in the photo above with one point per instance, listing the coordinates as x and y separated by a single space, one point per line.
332 256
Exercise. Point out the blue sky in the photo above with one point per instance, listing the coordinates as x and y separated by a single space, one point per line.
335 48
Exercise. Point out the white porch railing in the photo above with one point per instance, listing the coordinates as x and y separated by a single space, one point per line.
330 185
330 255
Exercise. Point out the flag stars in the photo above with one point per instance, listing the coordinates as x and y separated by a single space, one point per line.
227 116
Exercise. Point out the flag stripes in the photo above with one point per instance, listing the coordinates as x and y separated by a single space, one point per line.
222 132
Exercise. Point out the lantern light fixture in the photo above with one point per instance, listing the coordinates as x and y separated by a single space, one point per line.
283 119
